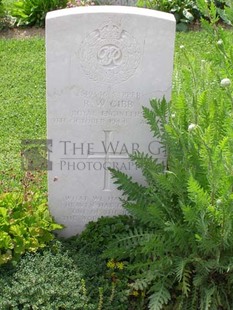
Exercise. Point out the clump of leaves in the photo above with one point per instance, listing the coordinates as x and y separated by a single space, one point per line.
33 12
25 225
110 278
44 280
185 11
98 234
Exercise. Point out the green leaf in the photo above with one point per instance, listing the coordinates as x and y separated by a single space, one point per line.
5 241
160 297
188 15
182 27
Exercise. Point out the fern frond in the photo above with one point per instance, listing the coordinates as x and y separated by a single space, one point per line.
156 117
134 191
206 298
160 297
183 274
186 278
194 298
161 108
179 268
140 197
150 214
197 194
129 244
200 279
148 165
179 236
140 284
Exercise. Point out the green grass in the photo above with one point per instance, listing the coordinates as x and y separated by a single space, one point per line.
22 94
22 102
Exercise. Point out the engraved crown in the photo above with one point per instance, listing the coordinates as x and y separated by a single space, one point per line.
110 31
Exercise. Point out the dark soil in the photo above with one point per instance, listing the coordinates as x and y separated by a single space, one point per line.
22 33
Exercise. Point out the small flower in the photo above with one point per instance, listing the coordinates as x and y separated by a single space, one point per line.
220 42
111 264
218 202
181 47
191 127
225 82
173 115
120 265
135 293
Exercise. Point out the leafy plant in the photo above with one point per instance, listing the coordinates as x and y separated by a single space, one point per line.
33 12
185 11
110 278
48 280
189 11
2 15
98 234
25 225
183 259
214 11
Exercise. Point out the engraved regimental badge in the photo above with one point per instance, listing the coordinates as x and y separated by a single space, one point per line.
109 54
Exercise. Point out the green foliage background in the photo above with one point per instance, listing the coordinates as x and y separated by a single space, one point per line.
25 225
186 12
33 12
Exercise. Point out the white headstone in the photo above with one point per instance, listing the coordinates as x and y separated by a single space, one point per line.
103 65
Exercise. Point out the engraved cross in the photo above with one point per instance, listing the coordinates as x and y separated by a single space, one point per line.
108 155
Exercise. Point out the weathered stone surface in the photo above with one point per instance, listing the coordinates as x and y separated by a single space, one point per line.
103 65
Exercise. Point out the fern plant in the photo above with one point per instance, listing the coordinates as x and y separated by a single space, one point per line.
183 257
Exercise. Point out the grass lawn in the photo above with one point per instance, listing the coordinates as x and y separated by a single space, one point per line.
22 102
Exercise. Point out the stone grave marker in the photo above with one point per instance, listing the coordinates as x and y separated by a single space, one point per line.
103 64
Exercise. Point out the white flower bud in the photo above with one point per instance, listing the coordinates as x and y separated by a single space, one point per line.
181 46
220 42
218 202
191 127
225 82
